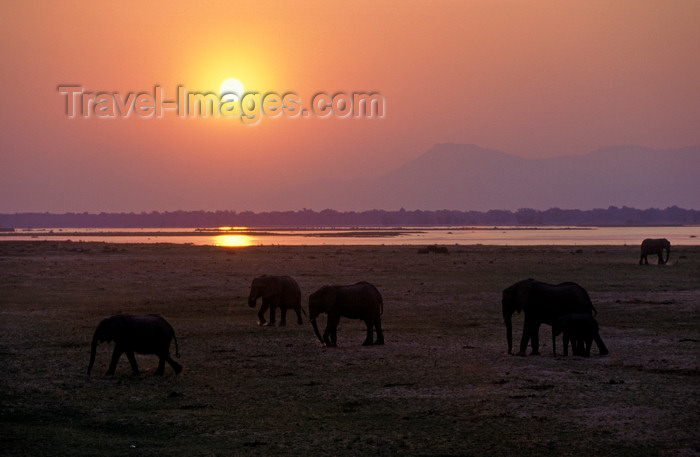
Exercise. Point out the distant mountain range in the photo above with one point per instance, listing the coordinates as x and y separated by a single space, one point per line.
468 177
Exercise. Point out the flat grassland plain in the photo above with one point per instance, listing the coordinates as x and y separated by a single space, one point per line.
441 385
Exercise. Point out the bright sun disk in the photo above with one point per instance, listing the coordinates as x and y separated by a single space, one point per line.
231 90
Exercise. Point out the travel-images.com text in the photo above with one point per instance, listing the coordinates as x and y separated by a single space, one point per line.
249 109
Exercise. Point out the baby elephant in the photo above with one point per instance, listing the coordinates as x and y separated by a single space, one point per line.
581 329
281 292
149 334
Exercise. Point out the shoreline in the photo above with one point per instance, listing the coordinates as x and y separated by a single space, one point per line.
272 231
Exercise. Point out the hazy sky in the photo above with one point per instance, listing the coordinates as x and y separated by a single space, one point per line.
534 79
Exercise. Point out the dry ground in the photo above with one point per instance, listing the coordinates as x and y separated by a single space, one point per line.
442 385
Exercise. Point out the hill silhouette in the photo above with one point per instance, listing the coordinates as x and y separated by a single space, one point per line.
468 177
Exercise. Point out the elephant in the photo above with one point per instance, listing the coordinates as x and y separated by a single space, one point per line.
544 303
358 301
281 292
149 334
655 246
580 329
438 249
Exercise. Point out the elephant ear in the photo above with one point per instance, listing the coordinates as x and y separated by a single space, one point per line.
329 295
102 332
271 286
109 328
522 294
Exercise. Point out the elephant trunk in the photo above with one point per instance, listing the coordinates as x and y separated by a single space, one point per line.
93 351
668 253
509 331
318 334
251 300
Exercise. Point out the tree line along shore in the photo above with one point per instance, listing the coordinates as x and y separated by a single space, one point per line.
611 216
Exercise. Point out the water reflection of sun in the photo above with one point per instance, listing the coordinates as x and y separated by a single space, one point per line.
233 240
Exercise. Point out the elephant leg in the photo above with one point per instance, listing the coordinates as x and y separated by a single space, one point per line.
132 362
523 343
273 311
380 334
327 331
331 329
368 340
261 313
525 339
283 317
329 337
161 366
115 358
176 366
661 257
298 311
602 349
535 337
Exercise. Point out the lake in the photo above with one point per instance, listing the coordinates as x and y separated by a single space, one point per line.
498 236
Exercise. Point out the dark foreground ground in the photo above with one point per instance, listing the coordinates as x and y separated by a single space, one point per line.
442 385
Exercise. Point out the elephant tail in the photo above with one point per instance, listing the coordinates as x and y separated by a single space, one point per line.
93 350
381 306
590 303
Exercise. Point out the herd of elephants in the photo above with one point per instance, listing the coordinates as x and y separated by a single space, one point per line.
566 307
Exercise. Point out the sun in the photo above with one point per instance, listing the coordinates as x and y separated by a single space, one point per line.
231 90
233 241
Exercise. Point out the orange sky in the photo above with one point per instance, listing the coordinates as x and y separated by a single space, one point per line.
529 78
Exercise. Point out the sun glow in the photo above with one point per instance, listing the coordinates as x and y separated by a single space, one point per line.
215 68
233 241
